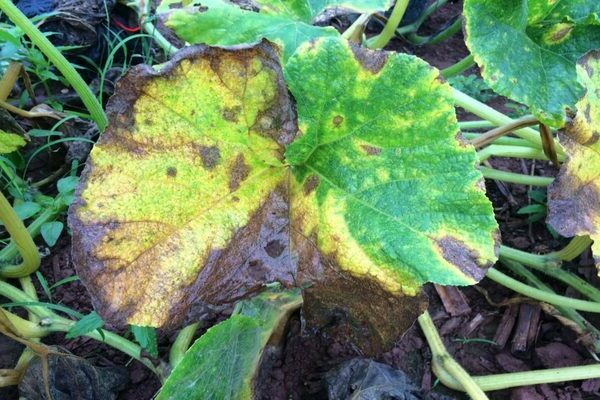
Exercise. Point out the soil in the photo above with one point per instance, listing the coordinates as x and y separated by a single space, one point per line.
298 370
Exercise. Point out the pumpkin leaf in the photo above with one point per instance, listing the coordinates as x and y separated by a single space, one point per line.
574 196
208 198
220 23
224 361
10 142
527 50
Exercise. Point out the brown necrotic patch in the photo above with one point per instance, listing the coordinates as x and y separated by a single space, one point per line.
371 60
371 150
310 184
239 172
337 120
171 172
210 156
231 114
458 254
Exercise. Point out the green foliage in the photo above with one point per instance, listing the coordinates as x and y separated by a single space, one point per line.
146 337
86 324
473 86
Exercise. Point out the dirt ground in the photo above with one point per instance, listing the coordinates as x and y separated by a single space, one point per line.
536 339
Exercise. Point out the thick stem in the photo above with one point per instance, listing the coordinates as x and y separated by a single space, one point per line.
23 243
433 7
389 29
534 260
354 33
445 360
504 140
481 124
151 30
576 246
458 68
494 150
512 177
59 61
182 344
541 295
495 133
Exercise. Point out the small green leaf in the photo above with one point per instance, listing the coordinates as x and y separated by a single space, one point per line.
51 232
67 184
27 209
146 337
527 50
532 209
10 142
223 363
90 322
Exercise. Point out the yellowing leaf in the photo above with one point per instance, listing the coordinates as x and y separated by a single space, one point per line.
10 142
574 197
197 192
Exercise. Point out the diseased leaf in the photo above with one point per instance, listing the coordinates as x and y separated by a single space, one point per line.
527 50
220 23
188 197
574 197
308 10
10 142
223 363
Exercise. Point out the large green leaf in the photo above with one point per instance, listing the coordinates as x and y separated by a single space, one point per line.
188 196
223 363
574 197
527 50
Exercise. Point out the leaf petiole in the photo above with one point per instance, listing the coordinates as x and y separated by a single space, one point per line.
381 40
512 177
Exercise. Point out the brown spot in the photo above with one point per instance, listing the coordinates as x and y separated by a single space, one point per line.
456 253
337 120
593 139
310 184
371 150
561 33
171 172
231 114
274 248
371 60
210 156
148 122
239 172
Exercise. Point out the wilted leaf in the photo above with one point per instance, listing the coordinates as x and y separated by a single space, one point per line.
10 142
527 50
223 363
187 195
574 197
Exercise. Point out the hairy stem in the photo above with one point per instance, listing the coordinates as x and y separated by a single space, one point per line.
504 140
433 7
443 359
534 260
59 61
354 33
510 151
459 67
481 124
390 27
576 246
11 74
512 177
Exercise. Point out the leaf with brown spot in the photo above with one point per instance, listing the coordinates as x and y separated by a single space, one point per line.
574 197
180 203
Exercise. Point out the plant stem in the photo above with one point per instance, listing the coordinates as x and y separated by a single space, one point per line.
437 37
488 113
490 136
11 251
59 61
182 344
512 177
510 151
29 114
23 242
55 323
355 31
441 357
585 328
534 260
504 140
459 67
541 295
151 30
576 246
433 7
481 124
11 74
389 29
